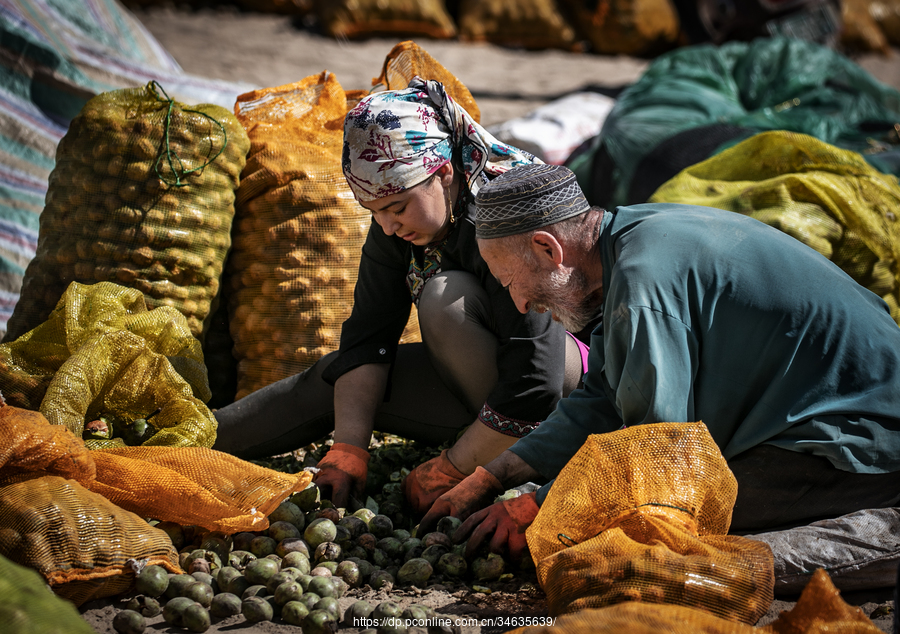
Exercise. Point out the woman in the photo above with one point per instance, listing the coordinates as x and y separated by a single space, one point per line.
416 159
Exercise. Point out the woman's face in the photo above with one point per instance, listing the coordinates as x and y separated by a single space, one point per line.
420 214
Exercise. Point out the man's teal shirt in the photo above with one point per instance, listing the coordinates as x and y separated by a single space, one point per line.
712 316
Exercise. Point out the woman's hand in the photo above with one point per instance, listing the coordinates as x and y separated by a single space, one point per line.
344 468
342 473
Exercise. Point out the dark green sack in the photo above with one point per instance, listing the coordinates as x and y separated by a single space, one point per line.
693 102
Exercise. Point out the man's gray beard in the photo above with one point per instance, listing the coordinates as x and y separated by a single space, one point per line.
566 296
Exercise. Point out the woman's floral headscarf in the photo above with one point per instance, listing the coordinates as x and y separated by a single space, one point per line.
398 138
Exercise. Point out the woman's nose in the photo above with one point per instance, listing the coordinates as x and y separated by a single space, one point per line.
387 223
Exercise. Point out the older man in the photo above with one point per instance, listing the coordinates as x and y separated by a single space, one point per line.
705 315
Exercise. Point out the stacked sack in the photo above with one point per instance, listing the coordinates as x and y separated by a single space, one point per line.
299 230
142 195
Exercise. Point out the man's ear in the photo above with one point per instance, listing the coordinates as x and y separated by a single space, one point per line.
547 248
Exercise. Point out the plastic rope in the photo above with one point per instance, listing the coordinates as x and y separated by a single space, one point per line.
181 172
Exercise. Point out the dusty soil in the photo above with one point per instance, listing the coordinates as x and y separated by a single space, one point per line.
267 50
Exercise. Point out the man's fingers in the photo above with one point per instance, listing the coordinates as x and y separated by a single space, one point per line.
467 526
484 528
438 510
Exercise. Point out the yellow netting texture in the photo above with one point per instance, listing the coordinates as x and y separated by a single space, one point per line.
27 607
627 27
820 610
75 515
407 60
828 198
527 23
130 201
363 18
102 353
641 515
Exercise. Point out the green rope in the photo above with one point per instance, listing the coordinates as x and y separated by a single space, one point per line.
171 157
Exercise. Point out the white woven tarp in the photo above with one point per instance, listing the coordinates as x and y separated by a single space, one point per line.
860 551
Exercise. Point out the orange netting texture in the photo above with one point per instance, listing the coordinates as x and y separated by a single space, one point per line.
76 516
142 194
102 353
828 198
641 514
407 60
294 265
820 610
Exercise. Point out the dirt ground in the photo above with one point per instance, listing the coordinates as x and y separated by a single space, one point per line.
267 50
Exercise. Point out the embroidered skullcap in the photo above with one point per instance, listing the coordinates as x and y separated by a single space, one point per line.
396 139
526 198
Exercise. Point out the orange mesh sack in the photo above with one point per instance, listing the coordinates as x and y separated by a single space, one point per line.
364 18
530 24
299 232
861 30
193 486
407 60
142 194
101 353
828 198
641 514
887 14
819 610
627 27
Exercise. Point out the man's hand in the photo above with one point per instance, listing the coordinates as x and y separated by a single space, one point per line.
473 493
430 480
342 473
507 520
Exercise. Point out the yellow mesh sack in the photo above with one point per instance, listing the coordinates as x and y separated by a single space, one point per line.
532 24
819 610
27 607
142 194
101 352
828 198
365 18
407 60
640 515
627 27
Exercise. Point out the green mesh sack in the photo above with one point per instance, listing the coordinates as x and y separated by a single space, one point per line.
828 198
29 607
142 195
727 94
102 353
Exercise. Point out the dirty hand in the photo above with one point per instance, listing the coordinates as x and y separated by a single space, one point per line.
473 493
430 480
507 520
342 473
